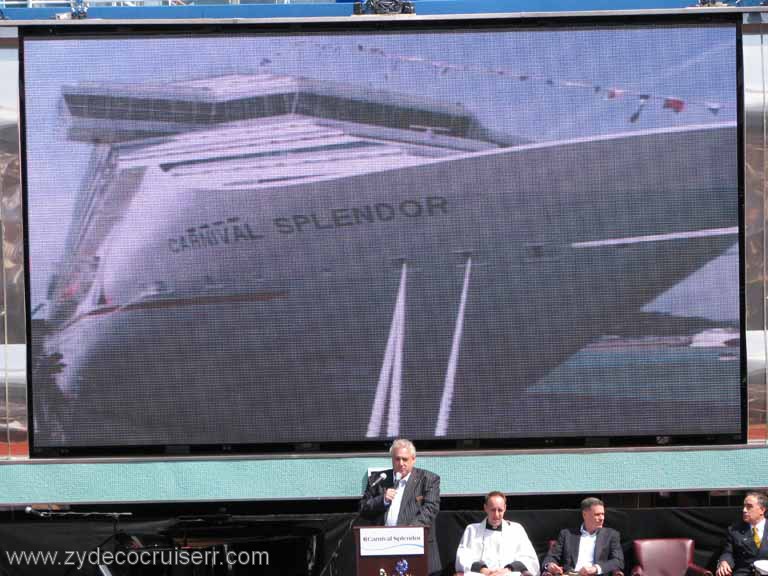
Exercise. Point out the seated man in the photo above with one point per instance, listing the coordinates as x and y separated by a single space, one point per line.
746 541
588 550
496 546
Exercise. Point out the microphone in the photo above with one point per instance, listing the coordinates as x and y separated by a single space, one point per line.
379 479
34 512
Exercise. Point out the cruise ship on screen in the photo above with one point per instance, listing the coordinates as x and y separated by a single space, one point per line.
266 250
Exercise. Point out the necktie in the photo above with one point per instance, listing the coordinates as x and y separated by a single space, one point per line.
756 537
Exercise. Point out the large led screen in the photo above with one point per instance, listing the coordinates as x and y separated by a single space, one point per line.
318 236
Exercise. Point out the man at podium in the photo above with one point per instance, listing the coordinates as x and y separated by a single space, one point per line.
496 547
404 496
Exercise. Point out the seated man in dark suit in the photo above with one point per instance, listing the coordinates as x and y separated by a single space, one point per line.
746 540
404 496
588 550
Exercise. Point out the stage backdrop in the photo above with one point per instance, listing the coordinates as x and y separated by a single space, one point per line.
301 545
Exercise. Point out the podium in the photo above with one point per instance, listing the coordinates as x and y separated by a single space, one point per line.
391 550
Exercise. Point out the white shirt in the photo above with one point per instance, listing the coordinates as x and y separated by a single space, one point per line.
394 507
586 550
496 548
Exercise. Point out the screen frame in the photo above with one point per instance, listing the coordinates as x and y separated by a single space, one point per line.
382 25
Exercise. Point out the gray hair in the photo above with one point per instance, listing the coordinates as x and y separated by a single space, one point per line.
587 503
762 499
402 443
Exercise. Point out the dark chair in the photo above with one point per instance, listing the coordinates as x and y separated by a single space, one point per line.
666 557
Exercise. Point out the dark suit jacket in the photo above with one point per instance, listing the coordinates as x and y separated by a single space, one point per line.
608 553
740 551
419 506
